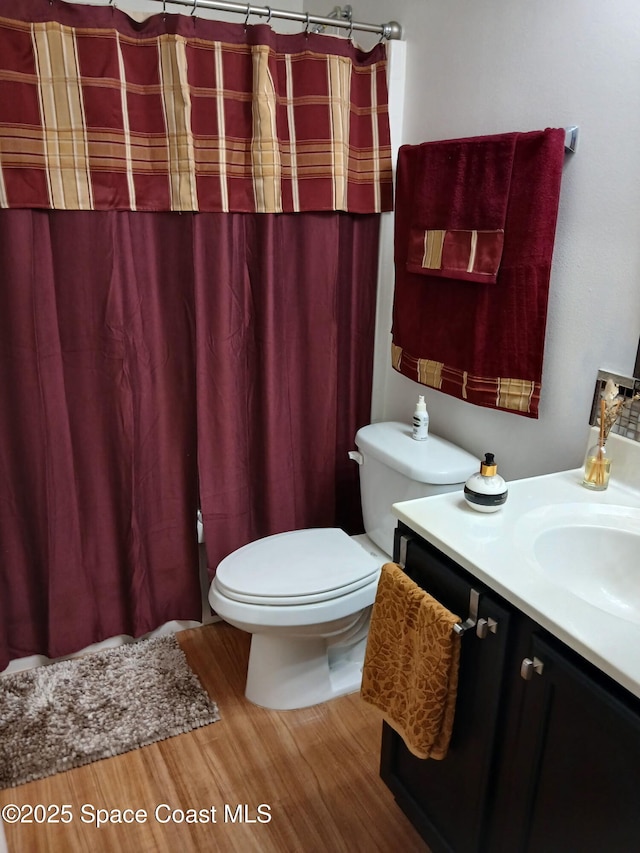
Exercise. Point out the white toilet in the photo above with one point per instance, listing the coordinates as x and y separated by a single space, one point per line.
306 595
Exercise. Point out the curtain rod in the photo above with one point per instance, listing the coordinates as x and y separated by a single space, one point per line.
390 30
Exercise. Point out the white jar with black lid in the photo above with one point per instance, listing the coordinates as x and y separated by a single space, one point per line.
486 491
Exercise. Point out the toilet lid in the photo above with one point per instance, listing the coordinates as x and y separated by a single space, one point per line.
299 567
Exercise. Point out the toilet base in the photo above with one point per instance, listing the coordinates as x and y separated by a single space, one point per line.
286 673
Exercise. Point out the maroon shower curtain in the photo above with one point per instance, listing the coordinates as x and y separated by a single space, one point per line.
188 251
284 341
150 362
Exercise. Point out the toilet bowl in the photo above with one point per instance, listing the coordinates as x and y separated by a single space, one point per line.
305 596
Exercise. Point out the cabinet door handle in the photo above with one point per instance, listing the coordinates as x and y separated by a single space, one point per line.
485 626
528 667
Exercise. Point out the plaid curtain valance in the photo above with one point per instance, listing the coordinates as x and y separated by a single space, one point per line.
98 112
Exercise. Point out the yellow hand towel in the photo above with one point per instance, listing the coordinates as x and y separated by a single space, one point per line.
411 664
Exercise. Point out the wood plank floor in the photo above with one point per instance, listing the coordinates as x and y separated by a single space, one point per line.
304 780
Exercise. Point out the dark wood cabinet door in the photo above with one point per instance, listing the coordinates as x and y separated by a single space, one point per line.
448 800
574 774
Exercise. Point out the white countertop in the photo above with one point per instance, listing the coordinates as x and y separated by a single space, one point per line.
496 548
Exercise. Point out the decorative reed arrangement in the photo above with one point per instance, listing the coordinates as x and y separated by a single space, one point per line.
612 405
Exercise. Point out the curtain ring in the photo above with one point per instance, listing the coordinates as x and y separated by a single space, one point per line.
246 20
306 26
164 9
268 8
350 33
195 6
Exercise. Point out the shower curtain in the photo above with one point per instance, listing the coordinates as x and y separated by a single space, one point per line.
186 306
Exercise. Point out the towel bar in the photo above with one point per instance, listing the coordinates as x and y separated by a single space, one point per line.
472 619
571 139
482 626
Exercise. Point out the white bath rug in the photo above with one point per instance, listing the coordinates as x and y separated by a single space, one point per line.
77 711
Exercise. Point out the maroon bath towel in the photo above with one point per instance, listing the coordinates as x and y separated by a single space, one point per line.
475 225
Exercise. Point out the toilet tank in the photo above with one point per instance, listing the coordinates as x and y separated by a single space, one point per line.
395 467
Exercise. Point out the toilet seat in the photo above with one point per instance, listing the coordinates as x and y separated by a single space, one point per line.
297 567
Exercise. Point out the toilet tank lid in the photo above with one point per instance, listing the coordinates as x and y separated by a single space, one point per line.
434 461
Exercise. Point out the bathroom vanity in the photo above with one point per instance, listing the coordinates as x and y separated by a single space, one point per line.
545 751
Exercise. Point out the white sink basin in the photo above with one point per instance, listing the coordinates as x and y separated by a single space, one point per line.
591 550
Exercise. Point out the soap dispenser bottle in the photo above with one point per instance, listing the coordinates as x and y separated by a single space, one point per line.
486 491
420 421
